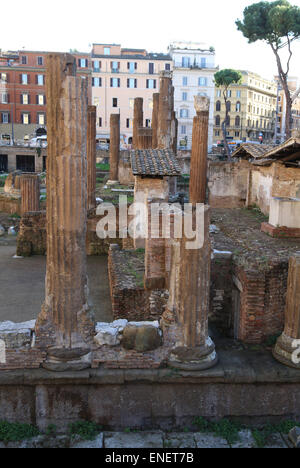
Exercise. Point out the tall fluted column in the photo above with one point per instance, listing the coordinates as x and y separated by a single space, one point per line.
155 120
138 120
91 157
114 151
188 307
64 327
198 177
166 109
30 193
287 349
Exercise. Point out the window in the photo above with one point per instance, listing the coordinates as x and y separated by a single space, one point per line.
24 79
40 99
219 93
5 98
115 82
131 83
186 62
167 66
115 66
40 61
237 134
203 62
238 94
217 133
41 119
238 121
115 102
4 77
229 93
185 81
100 121
151 84
151 68
184 113
96 82
25 99
96 65
218 121
131 103
184 96
218 106
106 50
150 103
228 120
202 81
228 106
24 60
132 66
83 63
5 117
25 119
183 129
148 123
127 123
238 107
40 80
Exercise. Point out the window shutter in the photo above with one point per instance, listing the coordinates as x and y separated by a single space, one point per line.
79 62
147 83
100 64
135 66
119 82
111 65
135 83
7 78
9 117
154 84
21 98
28 98
86 63
8 98
128 83
111 82
119 64
36 79
45 100
1 118
21 79
93 81
29 120
100 81
128 65
37 99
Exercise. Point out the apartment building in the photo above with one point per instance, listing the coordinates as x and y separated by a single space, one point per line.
252 110
118 77
193 75
23 93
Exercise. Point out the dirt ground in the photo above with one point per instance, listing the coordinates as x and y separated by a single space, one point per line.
22 285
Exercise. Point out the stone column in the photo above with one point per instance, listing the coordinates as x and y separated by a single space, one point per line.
64 327
30 193
114 152
91 157
286 348
138 120
166 109
198 177
155 120
186 317
155 263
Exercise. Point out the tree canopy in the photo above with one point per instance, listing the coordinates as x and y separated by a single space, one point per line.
227 77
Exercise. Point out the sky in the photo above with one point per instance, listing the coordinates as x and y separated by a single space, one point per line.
61 25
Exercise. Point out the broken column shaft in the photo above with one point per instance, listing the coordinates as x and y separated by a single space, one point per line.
288 345
198 177
91 157
30 193
64 327
155 120
114 151
138 120
165 113
187 311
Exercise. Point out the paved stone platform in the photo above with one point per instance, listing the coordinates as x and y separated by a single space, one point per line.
152 440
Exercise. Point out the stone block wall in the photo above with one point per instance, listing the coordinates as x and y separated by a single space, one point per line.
32 238
10 204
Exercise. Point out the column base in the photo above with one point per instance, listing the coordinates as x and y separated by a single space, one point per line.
286 353
63 360
194 359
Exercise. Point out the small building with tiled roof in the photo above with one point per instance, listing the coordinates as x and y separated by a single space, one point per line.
251 151
154 163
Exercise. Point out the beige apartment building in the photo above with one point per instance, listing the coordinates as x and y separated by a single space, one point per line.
252 110
118 77
293 84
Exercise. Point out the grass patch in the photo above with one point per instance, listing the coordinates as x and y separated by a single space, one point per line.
14 432
103 167
85 429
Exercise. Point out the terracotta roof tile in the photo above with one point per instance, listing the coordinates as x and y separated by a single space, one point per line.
153 163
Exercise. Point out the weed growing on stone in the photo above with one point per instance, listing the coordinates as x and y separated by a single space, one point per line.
51 430
85 429
14 432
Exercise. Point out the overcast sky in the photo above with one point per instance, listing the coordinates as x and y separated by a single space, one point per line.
63 24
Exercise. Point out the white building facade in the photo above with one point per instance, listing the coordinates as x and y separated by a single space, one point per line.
193 75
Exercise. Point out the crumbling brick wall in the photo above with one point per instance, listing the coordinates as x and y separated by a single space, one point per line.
262 302
227 184
32 238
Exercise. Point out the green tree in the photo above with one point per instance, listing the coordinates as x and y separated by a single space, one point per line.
278 24
224 79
